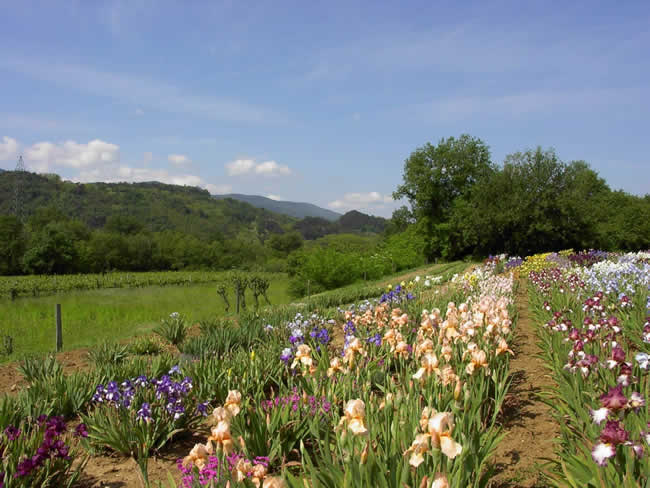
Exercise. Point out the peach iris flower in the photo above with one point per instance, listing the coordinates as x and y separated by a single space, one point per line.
355 417
222 438
429 367
198 456
233 402
440 427
303 355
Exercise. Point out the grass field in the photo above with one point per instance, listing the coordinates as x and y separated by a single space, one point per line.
93 316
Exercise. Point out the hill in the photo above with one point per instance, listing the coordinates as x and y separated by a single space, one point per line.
299 210
157 206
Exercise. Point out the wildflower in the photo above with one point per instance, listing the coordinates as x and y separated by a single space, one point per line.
614 398
145 412
12 433
599 415
241 469
274 482
352 349
643 359
602 452
614 433
354 417
477 361
335 367
233 402
636 401
440 481
198 456
303 355
502 347
418 449
222 438
429 367
81 430
440 427
286 354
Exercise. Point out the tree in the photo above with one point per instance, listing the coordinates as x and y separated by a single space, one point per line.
52 251
435 176
285 243
12 244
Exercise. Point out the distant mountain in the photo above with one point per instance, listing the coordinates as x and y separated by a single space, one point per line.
293 209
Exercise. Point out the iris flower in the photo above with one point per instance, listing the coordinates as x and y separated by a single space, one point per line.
220 435
355 417
233 402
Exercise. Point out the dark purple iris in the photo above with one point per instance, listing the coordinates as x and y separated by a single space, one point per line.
618 354
81 431
12 433
614 433
614 398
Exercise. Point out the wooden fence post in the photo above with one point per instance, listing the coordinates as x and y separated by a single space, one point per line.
59 328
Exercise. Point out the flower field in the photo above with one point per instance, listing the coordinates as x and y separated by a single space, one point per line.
593 312
405 389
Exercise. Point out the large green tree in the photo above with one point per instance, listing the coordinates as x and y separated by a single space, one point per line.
12 245
435 176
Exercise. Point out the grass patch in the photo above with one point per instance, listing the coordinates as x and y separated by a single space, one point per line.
94 316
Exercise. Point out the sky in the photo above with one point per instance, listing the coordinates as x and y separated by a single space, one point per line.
318 101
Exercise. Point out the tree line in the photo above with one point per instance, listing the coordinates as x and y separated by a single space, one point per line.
466 205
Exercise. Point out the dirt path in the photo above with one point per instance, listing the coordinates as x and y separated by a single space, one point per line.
530 429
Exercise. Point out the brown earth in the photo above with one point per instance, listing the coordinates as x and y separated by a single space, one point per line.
530 429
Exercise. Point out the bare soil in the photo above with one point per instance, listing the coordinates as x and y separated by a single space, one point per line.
530 429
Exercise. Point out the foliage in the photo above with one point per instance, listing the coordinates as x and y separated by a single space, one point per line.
148 345
40 452
173 329
435 176
108 353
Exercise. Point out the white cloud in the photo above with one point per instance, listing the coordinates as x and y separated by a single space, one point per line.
240 166
277 198
361 201
98 160
139 111
266 168
178 159
8 148
72 154
272 168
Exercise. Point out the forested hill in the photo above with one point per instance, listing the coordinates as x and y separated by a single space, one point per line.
298 210
155 206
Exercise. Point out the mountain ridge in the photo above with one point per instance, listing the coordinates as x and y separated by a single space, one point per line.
298 210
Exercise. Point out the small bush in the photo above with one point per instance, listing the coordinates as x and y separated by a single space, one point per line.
38 368
146 346
107 353
173 329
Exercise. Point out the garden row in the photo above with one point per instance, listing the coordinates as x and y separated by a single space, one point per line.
593 315
397 390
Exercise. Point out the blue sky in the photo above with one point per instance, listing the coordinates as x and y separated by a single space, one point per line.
318 101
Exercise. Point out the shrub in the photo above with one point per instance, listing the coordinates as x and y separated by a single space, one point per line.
173 329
